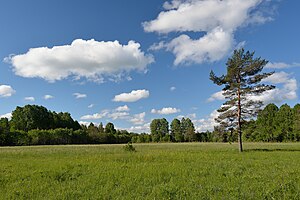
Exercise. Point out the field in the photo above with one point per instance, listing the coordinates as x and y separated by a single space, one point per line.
154 171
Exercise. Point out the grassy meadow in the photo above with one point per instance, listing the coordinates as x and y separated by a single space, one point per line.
154 171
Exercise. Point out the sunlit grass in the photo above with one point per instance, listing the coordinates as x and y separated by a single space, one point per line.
154 171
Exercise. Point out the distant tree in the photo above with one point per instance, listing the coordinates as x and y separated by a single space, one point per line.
4 131
93 133
159 129
241 81
31 117
284 123
100 128
266 123
296 123
188 129
110 128
176 130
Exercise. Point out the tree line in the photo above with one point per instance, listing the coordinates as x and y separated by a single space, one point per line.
275 124
36 125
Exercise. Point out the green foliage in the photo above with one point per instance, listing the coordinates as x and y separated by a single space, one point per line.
32 117
275 125
159 129
176 131
156 171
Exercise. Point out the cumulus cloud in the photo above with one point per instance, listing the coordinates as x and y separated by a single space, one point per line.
138 118
29 99
48 96
6 91
165 111
281 65
90 59
79 95
133 96
122 108
217 22
7 115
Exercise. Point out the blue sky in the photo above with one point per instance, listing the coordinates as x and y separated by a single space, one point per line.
131 61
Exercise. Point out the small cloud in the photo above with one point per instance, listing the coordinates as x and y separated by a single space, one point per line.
138 118
6 91
29 99
118 115
172 88
216 96
95 116
7 115
133 96
145 128
79 95
91 105
122 108
165 111
281 65
48 96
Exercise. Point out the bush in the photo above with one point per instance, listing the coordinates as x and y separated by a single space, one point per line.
129 147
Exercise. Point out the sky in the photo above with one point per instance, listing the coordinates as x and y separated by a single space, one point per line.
129 62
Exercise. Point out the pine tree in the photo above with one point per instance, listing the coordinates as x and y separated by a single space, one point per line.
241 82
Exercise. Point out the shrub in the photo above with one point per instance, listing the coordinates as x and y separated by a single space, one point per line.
129 147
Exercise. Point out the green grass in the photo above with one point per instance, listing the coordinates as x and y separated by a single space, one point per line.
154 171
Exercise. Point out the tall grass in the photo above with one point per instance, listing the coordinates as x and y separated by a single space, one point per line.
154 171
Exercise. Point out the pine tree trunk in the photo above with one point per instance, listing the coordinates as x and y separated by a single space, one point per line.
239 121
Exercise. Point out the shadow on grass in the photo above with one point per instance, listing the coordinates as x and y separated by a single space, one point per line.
272 150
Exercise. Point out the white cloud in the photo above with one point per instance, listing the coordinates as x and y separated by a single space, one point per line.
118 115
191 116
216 96
48 96
138 118
29 99
165 111
208 123
7 115
140 129
281 65
79 95
205 49
218 20
90 59
133 96
6 91
103 114
288 91
91 106
122 108
172 88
